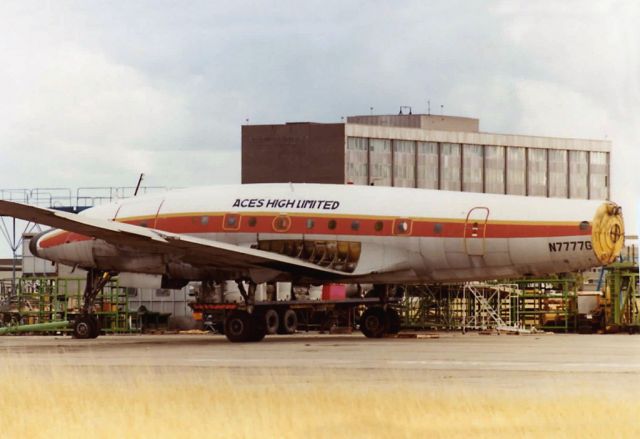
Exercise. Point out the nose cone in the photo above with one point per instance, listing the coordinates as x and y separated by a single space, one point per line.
607 232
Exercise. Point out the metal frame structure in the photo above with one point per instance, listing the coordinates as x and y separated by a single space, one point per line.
520 305
40 300
622 297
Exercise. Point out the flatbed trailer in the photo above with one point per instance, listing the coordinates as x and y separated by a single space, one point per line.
374 316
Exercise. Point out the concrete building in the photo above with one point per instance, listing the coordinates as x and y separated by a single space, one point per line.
425 151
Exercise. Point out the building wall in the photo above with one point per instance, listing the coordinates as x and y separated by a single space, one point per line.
293 152
408 151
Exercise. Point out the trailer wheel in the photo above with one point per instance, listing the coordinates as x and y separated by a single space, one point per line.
374 322
95 326
238 327
393 319
83 327
288 322
258 327
272 321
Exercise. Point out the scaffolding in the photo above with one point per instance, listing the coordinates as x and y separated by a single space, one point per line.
520 305
622 297
548 303
39 300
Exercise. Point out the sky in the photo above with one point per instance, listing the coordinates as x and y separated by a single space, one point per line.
94 93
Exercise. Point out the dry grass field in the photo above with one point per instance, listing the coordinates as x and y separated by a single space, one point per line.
125 402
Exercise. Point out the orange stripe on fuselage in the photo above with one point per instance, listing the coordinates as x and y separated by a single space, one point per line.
191 223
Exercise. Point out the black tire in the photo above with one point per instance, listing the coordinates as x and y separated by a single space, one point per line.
83 327
271 321
393 321
95 326
288 322
238 327
258 327
374 322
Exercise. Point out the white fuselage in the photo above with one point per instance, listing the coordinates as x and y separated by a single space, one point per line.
374 234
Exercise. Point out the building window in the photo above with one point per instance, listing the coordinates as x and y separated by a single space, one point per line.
472 168
598 175
404 163
578 173
494 169
380 162
356 161
537 172
558 177
450 167
427 165
131 292
516 170
163 293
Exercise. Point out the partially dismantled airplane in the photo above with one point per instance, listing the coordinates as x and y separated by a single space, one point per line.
314 233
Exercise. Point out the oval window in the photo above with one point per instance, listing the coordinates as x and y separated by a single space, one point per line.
231 221
332 224
282 223
402 226
310 223
252 221
355 225
379 226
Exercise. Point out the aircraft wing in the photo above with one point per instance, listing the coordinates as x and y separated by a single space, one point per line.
192 250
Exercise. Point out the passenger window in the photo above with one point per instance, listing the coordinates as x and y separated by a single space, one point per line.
252 221
310 223
231 221
355 225
282 223
332 224
379 226
402 227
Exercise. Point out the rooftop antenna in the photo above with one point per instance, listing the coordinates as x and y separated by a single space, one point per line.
138 185
428 108
404 107
442 111
371 110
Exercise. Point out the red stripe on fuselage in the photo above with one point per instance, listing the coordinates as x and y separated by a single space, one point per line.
358 226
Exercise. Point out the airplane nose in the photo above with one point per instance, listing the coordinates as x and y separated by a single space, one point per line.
33 243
